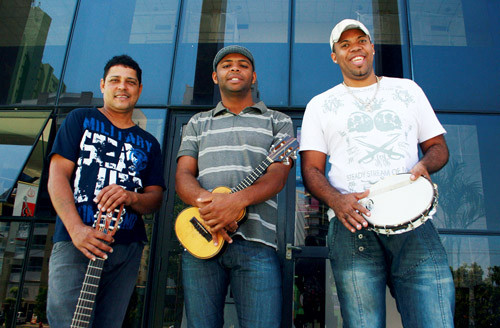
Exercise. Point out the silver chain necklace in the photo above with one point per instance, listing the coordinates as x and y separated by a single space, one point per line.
366 104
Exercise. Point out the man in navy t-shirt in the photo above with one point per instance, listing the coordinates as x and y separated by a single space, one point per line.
101 160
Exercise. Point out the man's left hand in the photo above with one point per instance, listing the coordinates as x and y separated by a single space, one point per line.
221 213
112 196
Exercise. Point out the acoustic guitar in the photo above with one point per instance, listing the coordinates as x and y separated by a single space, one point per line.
192 231
109 224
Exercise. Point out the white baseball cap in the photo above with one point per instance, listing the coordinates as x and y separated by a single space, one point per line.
346 24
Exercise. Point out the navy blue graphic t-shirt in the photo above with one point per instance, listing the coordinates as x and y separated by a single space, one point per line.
103 155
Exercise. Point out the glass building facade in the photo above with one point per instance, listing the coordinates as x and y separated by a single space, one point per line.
52 54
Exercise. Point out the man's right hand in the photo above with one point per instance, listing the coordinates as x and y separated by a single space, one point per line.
91 242
348 210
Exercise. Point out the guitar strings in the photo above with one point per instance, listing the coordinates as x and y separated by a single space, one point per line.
86 300
90 286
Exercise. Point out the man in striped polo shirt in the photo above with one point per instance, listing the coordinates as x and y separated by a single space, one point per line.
221 147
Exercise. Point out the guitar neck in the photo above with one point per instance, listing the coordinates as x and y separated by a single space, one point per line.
85 305
252 177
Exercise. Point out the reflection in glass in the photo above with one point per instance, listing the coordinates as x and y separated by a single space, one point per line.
13 237
145 30
151 120
450 49
475 264
311 220
33 39
461 201
309 291
34 300
468 184
207 26
438 23
315 300
135 309
313 23
174 296
18 133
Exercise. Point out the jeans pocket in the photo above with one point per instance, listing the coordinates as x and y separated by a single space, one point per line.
366 246
433 240
59 246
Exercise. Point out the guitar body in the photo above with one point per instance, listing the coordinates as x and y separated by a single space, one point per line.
195 235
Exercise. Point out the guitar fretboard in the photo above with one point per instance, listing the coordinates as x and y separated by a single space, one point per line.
252 177
85 305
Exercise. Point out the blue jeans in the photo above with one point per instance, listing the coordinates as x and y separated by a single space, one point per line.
253 271
67 269
413 265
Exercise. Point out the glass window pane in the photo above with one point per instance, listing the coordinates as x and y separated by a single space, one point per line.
475 264
135 310
309 298
151 120
468 184
34 300
313 70
454 57
13 237
18 134
207 26
173 293
145 30
311 220
33 39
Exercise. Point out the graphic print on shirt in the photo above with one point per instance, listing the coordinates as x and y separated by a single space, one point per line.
376 139
115 157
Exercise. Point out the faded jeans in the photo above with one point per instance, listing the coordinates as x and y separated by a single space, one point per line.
253 271
413 265
67 269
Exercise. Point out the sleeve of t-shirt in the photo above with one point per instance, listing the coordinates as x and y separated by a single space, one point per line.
311 132
69 136
155 175
428 123
189 143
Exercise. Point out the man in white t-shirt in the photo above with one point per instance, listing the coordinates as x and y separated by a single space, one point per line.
371 127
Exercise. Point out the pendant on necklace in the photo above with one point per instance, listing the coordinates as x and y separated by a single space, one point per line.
368 105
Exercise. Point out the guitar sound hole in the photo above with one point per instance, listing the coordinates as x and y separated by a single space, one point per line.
201 229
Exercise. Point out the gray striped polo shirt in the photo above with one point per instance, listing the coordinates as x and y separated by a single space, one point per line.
228 148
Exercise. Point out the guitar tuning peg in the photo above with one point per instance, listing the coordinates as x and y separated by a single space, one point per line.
286 161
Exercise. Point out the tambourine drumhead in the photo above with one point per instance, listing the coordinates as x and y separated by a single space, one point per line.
398 204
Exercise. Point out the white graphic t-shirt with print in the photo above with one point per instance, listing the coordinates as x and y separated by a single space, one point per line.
367 143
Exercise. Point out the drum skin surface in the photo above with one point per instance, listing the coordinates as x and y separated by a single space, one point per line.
398 204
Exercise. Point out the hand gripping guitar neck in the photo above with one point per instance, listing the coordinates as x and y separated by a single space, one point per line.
109 224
